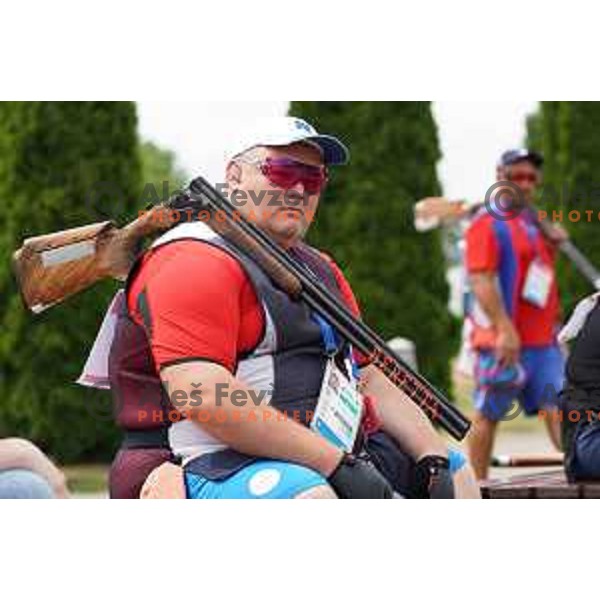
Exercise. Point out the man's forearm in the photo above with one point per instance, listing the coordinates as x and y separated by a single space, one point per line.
271 434
405 422
485 290
256 430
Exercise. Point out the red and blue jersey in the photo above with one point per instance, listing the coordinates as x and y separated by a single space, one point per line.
508 248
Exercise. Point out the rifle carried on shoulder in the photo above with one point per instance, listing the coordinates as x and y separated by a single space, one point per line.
81 257
434 212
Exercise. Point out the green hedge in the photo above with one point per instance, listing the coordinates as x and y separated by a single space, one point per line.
366 222
52 155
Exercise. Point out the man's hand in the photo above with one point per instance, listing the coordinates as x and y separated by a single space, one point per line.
433 478
556 234
508 344
433 212
355 478
486 291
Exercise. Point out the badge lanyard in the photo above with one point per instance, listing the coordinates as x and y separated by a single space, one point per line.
340 408
333 344
538 279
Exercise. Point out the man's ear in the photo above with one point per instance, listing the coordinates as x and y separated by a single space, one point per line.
233 174
501 174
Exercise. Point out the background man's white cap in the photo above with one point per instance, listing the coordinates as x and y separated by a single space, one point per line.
283 131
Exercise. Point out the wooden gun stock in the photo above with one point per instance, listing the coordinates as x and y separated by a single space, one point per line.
51 268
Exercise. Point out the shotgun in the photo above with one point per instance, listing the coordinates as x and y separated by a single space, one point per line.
296 280
89 254
431 213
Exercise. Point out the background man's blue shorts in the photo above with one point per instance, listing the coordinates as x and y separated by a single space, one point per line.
544 377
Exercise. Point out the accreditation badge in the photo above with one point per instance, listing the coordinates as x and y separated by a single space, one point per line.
340 408
538 283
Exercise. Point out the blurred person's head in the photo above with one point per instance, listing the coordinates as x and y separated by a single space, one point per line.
522 168
277 174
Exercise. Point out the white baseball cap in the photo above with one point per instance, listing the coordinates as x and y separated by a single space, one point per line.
284 131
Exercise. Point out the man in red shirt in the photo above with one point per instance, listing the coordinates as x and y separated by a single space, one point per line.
515 312
249 369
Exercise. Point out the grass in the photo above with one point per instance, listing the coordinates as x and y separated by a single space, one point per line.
87 479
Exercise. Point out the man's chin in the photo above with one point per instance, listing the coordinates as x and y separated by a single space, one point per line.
290 230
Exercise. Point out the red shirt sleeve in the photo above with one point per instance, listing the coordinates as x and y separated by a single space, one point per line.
345 289
196 303
351 303
482 252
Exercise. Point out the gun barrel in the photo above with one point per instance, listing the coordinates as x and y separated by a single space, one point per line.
322 301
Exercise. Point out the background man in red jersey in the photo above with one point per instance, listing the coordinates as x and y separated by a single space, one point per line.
516 310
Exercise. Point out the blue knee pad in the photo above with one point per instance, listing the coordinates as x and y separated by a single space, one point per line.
263 479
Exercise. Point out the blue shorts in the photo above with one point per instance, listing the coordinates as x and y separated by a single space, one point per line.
271 479
544 370
24 485
264 479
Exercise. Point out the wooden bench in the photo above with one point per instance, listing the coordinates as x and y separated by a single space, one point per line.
539 486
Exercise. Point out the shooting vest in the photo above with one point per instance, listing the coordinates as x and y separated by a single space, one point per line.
582 389
288 362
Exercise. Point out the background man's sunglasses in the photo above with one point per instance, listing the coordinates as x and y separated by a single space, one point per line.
525 178
286 173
